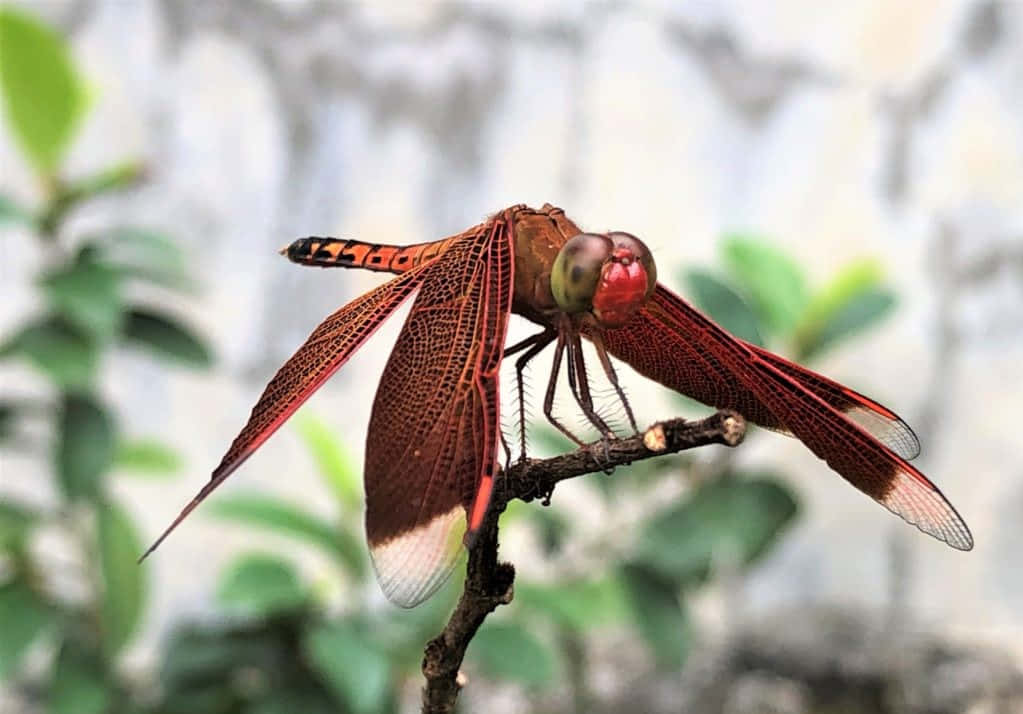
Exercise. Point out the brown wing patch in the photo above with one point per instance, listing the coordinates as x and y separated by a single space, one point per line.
433 430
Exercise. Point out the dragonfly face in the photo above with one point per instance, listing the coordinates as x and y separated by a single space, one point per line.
610 276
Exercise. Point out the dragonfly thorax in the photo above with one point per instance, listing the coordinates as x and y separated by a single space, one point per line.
608 275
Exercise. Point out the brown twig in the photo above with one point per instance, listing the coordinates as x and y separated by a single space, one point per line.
489 583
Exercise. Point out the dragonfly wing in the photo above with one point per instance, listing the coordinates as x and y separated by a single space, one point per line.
327 349
431 446
882 423
674 344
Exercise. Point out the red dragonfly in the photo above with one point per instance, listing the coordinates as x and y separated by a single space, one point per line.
432 445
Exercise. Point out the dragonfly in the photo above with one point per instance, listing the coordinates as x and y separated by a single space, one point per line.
432 447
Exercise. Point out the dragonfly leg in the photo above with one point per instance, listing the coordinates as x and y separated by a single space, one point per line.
552 386
536 343
612 376
580 385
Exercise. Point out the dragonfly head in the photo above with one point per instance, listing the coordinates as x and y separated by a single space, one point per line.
609 275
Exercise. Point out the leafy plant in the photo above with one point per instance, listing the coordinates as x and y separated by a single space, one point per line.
86 315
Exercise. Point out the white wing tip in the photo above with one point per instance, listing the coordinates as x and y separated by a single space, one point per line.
412 566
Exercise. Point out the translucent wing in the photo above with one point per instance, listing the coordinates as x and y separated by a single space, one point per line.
674 344
431 448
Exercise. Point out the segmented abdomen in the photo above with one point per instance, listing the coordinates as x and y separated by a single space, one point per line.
339 253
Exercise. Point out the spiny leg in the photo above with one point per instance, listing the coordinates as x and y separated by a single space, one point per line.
580 385
552 386
536 343
577 373
598 342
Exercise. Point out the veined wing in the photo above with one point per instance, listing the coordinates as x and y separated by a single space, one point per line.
674 344
431 447
882 423
328 347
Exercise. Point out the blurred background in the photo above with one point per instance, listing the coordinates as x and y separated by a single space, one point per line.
843 184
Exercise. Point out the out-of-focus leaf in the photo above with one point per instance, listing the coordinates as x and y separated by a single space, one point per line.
551 528
854 278
147 456
165 337
773 280
147 255
577 604
262 584
292 701
15 522
23 618
56 348
7 413
87 294
78 685
659 614
730 517
858 313
208 654
12 212
723 305
355 670
510 652
401 633
85 445
43 94
124 587
294 521
332 458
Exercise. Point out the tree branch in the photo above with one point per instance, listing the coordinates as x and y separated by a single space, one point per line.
489 583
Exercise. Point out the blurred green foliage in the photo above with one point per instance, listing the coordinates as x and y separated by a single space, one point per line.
283 645
85 286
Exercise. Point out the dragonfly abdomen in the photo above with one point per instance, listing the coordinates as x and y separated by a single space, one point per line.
340 253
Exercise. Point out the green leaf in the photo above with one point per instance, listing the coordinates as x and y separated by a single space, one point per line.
43 94
85 445
124 587
293 701
510 652
577 604
15 523
659 614
78 685
165 337
261 584
209 654
727 518
723 305
856 315
66 355
858 278
551 526
774 282
147 456
87 294
332 458
23 618
354 669
147 255
12 212
294 521
8 412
